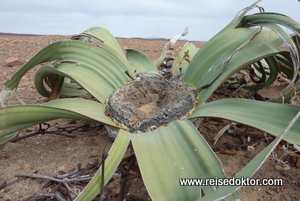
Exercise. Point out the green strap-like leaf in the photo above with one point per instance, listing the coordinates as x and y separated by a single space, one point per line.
91 109
113 160
214 53
270 117
18 117
139 61
94 68
173 152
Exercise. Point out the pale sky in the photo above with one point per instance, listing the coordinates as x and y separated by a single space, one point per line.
131 18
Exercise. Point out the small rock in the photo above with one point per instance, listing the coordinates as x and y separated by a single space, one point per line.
13 42
270 91
61 168
28 130
278 167
298 162
13 61
270 192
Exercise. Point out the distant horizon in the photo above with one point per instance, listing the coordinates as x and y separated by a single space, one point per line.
140 38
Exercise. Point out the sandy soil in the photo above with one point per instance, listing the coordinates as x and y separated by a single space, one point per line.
51 154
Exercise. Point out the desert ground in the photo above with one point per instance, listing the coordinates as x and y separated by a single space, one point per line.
52 154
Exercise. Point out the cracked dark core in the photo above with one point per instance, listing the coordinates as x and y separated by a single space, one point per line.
151 102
